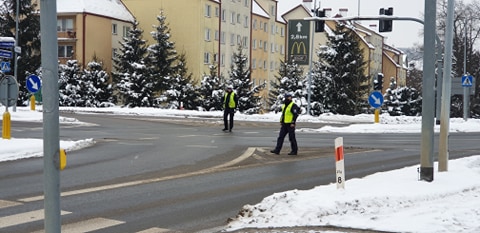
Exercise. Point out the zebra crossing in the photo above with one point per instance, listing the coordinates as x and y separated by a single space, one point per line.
93 224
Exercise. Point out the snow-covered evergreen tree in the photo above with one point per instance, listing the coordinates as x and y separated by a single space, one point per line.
97 85
290 79
70 84
182 93
402 101
132 77
162 55
240 77
28 38
211 92
322 93
346 66
132 53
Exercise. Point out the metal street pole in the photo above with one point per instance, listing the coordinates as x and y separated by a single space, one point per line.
466 90
428 83
447 83
15 57
51 138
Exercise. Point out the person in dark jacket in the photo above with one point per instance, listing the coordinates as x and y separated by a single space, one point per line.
290 112
230 103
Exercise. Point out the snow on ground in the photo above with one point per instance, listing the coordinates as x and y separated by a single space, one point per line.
389 201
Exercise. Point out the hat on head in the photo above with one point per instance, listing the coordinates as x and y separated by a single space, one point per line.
288 94
229 87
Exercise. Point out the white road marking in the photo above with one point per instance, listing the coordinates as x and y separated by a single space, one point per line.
5 204
155 230
87 225
24 218
245 155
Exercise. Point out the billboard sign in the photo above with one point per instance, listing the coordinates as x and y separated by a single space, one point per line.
299 41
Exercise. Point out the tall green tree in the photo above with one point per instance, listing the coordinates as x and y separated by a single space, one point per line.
28 39
344 63
240 77
162 55
211 92
132 78
290 79
182 92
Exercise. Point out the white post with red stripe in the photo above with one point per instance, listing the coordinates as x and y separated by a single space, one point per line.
339 163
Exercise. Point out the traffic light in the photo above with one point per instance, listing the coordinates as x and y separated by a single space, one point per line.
378 82
319 24
385 25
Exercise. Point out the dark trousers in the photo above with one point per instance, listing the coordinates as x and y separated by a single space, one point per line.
226 113
284 130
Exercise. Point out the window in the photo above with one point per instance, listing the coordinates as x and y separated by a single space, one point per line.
239 40
206 58
273 29
245 24
245 42
245 3
217 35
224 15
65 51
265 27
232 39
232 18
260 44
272 48
207 34
265 46
222 60
215 58
282 31
125 31
254 63
271 65
239 19
222 38
114 52
217 12
255 24
64 25
254 44
114 29
208 10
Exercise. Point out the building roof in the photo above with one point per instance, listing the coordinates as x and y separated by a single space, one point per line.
258 10
114 9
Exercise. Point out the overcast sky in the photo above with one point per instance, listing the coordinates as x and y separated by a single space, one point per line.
404 34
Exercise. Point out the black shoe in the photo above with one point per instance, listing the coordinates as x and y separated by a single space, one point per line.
224 129
292 153
230 131
275 152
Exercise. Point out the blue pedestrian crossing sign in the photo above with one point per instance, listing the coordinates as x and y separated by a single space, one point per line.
33 83
5 66
375 99
467 81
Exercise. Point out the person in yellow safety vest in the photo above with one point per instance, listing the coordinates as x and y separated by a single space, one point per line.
230 103
289 116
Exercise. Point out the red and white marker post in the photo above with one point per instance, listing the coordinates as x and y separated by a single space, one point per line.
339 163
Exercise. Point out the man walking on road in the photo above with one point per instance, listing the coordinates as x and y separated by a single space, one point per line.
289 116
230 103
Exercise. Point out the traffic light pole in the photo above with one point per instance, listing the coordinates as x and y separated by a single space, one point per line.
51 130
428 93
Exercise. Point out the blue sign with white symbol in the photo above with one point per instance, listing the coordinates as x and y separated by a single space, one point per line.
7 44
33 83
5 54
375 99
5 66
467 81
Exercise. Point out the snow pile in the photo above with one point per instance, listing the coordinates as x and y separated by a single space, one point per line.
387 201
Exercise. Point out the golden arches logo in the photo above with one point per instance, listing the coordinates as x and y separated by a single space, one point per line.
299 46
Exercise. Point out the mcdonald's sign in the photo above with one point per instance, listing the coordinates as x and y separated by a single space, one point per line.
299 41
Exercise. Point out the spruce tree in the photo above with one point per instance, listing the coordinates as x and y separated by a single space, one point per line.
96 82
70 84
240 78
28 39
322 93
131 76
211 92
182 93
162 55
346 66
131 54
289 80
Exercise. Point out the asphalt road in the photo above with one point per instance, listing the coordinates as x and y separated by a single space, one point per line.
147 174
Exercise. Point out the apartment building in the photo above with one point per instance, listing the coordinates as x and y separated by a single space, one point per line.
394 66
268 43
88 28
